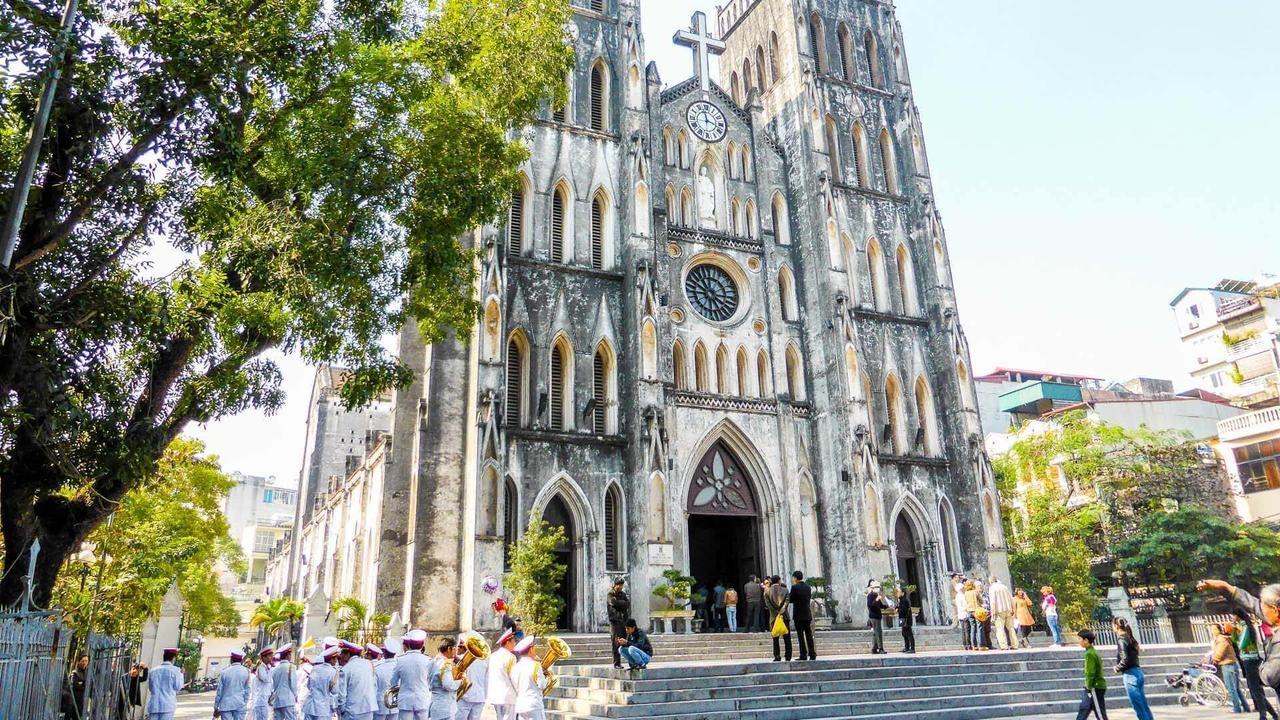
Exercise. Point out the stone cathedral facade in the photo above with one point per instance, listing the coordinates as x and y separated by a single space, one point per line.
719 335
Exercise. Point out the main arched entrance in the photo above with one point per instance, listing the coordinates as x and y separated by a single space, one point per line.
724 535
909 564
557 514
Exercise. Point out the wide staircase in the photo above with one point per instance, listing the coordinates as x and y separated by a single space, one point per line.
716 682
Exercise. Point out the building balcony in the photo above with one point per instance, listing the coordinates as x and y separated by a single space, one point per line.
1039 397
1249 348
1236 308
1250 424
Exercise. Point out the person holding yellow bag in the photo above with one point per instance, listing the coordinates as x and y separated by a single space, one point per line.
776 600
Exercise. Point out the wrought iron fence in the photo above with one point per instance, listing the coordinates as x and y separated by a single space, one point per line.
1151 630
106 687
1200 632
33 657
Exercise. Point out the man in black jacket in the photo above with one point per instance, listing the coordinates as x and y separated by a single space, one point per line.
635 646
619 611
875 604
801 597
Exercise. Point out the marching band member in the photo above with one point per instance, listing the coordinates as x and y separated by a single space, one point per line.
412 677
444 688
321 686
530 682
164 682
283 686
382 673
232 698
358 693
471 705
500 691
262 685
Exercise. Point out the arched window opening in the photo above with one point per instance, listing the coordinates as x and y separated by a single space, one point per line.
673 210
752 220
682 139
746 163
787 294
781 221
850 266
735 90
893 405
950 542
559 220
875 269
871 511
744 374
686 208
599 97
517 361
510 521
643 211
561 386
907 282
966 385
773 56
735 212
860 156
816 42
927 440
732 153
648 350
613 529
600 391
722 370
515 219
748 78
762 374
677 366
846 53
762 81
889 159
700 378
559 113
873 59
668 146
851 370
833 150
795 374
598 210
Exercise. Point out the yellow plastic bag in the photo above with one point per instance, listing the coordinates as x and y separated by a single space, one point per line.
779 627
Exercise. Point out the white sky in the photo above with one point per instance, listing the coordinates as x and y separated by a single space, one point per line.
1090 160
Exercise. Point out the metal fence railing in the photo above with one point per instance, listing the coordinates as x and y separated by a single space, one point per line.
1200 626
106 687
1150 631
33 658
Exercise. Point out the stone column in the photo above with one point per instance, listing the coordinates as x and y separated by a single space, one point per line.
317 622
1118 602
162 631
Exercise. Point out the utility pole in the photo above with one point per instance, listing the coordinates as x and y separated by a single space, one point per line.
27 168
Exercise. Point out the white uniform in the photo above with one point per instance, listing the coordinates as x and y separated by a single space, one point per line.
284 687
321 685
382 673
262 692
444 690
500 691
163 683
531 683
412 669
359 690
232 698
471 706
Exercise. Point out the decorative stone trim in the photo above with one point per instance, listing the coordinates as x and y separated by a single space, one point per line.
563 267
708 401
941 463
555 437
857 190
715 237
868 314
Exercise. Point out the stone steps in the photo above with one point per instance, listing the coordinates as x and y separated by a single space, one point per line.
956 686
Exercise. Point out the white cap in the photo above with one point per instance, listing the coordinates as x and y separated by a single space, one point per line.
393 645
287 647
524 645
329 641
236 654
370 647
506 635
330 652
416 636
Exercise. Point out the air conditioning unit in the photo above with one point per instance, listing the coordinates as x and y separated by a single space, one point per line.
1202 360
1193 325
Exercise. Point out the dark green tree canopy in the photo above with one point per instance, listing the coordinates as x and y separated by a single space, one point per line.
223 177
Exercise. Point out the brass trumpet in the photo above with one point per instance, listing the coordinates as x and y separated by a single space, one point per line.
557 650
476 649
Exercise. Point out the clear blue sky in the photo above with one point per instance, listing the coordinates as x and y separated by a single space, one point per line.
1090 160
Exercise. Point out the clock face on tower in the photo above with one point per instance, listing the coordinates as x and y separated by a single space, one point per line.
706 121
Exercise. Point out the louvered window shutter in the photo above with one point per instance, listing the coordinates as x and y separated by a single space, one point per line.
597 234
611 530
600 390
515 370
597 99
515 224
557 226
557 388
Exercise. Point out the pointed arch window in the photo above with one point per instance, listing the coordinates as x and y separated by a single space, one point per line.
795 374
682 140
735 90
746 164
510 523
860 155
872 59
846 53
599 97
744 374
762 81
762 374
876 272
559 113
678 366
907 281
833 150
781 221
816 43
686 208
561 385
852 377
752 220
722 370
613 529
748 78
787 294
559 221
602 383
732 153
599 209
668 146
515 220
889 159
927 442
893 405
950 542
774 53
700 378
517 362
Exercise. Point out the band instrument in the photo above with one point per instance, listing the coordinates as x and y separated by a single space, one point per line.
475 648
391 698
557 650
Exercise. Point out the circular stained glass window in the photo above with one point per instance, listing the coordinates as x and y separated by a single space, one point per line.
711 292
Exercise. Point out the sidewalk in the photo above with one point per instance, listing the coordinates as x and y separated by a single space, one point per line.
1121 711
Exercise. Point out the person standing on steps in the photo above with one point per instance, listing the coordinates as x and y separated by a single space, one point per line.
801 598
907 622
731 608
1224 656
776 599
1249 646
1002 615
1049 604
619 611
718 593
1128 667
754 595
1094 702
1022 615
875 613
963 619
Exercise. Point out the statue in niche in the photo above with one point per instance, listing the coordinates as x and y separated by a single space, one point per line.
706 198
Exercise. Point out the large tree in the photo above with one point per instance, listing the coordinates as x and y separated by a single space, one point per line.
224 177
170 528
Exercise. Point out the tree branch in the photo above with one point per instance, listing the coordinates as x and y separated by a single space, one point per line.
139 229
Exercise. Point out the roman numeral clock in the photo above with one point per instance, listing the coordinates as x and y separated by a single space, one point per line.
706 121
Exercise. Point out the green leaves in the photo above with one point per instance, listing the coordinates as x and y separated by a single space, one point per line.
530 585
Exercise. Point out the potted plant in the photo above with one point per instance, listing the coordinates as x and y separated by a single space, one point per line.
674 588
826 605
889 588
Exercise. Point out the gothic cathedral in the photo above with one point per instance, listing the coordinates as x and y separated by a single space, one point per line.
719 335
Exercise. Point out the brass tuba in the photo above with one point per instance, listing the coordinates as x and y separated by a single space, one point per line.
476 649
557 650
391 698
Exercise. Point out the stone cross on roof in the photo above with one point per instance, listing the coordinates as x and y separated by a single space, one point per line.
704 46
